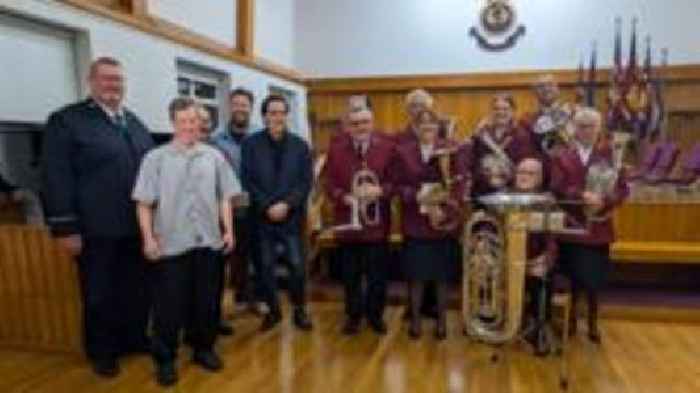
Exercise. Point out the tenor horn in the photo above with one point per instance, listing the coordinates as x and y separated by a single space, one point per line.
437 203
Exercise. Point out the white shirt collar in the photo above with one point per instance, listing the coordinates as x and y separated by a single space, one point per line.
426 151
109 112
584 152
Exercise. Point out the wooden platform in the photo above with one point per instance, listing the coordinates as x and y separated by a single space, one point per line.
634 358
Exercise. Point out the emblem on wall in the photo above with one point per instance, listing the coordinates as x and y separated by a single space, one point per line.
498 29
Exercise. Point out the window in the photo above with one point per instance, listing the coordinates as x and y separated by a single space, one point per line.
290 96
207 87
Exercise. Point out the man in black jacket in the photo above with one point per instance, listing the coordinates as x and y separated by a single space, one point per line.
276 171
92 152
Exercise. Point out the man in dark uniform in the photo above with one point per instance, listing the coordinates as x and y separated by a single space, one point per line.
276 171
92 151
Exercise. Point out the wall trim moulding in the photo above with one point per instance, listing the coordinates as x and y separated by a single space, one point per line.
466 81
163 29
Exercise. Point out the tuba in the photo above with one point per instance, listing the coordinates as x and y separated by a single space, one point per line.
495 261
436 199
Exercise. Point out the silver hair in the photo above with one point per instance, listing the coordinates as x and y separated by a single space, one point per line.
419 95
588 114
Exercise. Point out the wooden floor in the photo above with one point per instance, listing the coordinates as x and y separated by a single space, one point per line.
635 357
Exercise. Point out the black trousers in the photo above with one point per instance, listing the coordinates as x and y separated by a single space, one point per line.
185 288
368 261
116 301
243 257
539 297
288 246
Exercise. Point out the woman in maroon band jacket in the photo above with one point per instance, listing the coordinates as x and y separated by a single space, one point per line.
585 257
427 254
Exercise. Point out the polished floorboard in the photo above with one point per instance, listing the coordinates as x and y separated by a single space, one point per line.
635 357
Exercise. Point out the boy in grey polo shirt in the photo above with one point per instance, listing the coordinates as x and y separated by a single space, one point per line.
184 192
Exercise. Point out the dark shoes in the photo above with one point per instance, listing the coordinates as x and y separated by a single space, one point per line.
414 330
441 330
166 374
301 319
225 329
351 327
378 325
209 360
107 367
270 320
594 333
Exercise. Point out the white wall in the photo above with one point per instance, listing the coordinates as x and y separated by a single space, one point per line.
368 37
30 88
150 62
214 19
275 31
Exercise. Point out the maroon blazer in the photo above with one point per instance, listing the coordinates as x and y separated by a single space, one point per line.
410 172
341 166
465 151
517 143
568 181
409 134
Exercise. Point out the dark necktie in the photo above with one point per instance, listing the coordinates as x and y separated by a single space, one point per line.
360 151
120 122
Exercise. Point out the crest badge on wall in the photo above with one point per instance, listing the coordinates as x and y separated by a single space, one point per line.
497 20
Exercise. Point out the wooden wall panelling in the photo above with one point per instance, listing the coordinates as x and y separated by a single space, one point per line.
467 97
39 293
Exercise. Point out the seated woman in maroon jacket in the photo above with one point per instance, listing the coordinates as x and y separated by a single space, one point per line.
498 144
585 257
430 224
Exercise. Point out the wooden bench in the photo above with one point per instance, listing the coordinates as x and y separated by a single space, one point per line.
655 252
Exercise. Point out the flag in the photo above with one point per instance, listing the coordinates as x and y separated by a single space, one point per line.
591 81
632 61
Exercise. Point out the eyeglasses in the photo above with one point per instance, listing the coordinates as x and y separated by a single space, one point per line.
527 172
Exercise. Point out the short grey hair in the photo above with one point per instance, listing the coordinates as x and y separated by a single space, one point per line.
543 79
419 95
587 114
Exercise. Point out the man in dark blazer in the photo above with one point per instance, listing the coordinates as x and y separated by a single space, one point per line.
92 152
276 170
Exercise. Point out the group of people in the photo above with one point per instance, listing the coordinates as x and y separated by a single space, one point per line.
151 227
438 180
